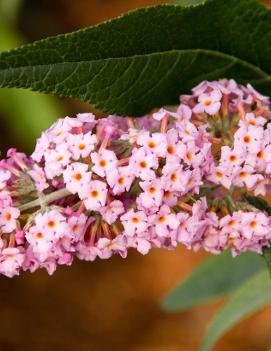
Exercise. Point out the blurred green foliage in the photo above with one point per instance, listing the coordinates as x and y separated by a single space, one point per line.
27 113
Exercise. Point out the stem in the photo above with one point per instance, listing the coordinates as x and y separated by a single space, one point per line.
45 199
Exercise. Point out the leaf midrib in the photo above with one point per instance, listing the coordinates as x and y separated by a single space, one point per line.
232 59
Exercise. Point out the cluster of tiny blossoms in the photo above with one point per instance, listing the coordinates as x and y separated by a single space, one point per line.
96 187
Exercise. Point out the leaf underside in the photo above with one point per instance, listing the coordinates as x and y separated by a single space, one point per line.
146 58
252 295
216 277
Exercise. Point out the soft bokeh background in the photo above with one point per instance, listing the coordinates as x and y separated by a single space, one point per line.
105 305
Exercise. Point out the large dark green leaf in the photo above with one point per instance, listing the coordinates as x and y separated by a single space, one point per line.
189 2
253 294
148 57
217 276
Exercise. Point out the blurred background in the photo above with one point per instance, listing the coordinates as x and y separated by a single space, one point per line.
105 305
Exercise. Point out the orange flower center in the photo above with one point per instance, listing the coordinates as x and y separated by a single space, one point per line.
8 216
51 224
82 146
152 144
162 219
252 122
219 175
121 181
189 156
77 176
170 150
247 139
208 102
135 220
232 222
152 190
173 177
233 158
243 174
94 193
253 224
75 228
102 163
260 154
143 164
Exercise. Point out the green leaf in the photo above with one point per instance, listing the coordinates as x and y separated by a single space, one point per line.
215 277
267 258
257 202
190 2
146 58
252 295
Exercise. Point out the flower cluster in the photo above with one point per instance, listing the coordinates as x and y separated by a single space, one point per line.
95 187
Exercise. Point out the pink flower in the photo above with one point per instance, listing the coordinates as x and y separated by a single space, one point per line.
260 162
143 164
56 160
42 146
41 241
75 228
104 162
8 219
86 252
81 145
219 175
134 222
94 195
108 247
249 137
203 87
121 179
155 144
209 103
112 211
53 223
174 177
231 157
231 223
255 223
38 175
253 120
76 177
164 221
11 261
152 195
140 244
245 176
184 112
86 117
5 199
59 130
159 115
175 148
170 198
4 177
214 241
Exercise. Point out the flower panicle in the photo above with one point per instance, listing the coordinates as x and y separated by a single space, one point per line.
96 187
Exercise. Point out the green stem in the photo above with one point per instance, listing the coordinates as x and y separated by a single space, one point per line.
44 200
